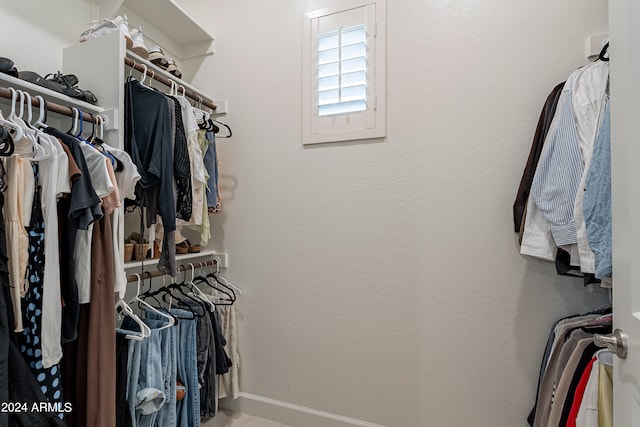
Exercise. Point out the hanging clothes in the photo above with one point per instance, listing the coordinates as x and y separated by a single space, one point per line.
148 141
48 378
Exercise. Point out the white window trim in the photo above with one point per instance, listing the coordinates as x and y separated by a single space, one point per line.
376 104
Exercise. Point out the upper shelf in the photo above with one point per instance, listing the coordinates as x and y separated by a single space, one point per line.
164 23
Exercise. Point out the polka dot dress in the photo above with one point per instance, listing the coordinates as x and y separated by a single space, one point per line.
49 379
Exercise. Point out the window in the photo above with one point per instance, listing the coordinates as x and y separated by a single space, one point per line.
343 73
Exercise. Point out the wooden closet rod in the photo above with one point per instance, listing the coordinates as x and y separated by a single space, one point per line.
51 106
183 267
167 82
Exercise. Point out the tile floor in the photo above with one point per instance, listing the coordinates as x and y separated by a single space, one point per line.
226 418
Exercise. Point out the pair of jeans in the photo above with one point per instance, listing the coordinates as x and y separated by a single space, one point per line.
145 391
166 416
123 414
188 409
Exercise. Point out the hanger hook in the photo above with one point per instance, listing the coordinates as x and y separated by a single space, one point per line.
21 93
193 272
132 68
139 280
43 110
144 76
184 90
27 97
14 98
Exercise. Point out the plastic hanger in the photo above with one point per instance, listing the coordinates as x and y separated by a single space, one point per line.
145 330
74 121
229 284
42 117
8 122
28 145
171 320
167 291
144 75
604 53
212 121
605 357
198 292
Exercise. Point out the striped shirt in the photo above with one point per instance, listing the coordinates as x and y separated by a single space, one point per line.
559 170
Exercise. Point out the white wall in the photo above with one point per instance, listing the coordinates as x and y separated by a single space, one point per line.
381 280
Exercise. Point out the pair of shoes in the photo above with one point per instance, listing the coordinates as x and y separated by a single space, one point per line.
157 57
133 38
186 247
65 84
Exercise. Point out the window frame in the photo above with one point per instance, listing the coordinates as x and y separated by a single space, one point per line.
373 124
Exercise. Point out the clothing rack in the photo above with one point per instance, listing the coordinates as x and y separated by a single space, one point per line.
183 267
51 106
168 82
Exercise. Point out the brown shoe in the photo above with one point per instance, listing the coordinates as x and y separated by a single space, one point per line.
182 248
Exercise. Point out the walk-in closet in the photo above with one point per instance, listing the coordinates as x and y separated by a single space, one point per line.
319 213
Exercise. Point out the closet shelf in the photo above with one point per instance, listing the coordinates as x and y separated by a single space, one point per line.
151 263
50 95
165 23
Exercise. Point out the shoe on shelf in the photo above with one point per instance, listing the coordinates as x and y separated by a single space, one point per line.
138 46
104 26
182 248
185 247
156 56
172 68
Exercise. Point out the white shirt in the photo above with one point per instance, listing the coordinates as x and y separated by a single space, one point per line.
588 106
103 186
588 412
126 179
198 170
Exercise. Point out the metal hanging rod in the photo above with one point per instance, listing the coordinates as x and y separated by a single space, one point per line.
51 106
183 267
168 82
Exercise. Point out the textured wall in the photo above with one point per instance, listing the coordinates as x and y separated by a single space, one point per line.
381 280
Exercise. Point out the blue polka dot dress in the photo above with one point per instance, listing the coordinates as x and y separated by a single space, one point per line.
49 379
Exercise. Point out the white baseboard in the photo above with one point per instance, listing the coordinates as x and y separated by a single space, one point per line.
288 413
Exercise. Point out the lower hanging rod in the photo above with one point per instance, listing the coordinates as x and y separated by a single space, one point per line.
183 267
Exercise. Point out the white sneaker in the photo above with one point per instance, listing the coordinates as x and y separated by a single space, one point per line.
104 26
138 43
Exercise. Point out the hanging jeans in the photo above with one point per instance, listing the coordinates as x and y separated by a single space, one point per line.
166 416
188 409
145 392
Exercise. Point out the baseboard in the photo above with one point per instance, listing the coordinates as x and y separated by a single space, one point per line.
288 413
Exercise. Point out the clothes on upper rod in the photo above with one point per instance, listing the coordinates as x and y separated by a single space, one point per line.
553 225
177 163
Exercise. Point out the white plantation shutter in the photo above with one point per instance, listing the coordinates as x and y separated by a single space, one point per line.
343 68
342 71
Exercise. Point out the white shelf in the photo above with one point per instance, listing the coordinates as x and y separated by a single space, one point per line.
164 23
151 262
49 95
